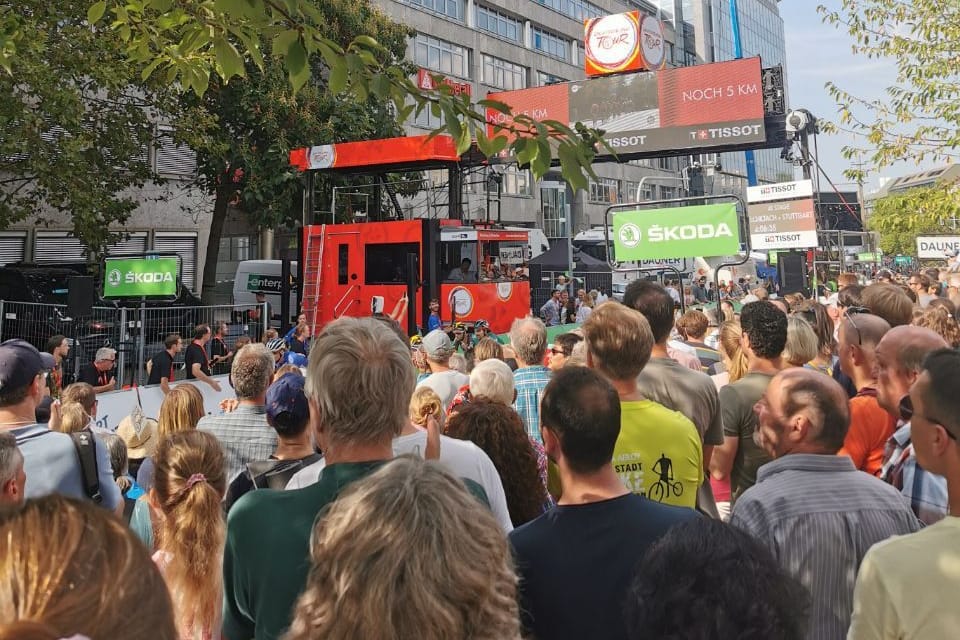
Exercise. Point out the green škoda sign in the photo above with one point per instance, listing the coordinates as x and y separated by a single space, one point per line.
140 277
676 232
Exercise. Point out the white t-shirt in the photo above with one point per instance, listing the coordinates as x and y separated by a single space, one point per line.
445 384
461 457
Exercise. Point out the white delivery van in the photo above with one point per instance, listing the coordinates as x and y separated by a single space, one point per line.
264 275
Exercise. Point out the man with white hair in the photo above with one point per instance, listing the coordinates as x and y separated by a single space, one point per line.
493 379
99 373
528 337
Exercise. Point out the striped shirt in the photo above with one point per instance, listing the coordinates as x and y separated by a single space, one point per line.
530 383
244 435
819 516
927 492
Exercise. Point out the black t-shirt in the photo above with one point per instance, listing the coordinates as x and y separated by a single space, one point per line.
267 474
93 376
196 353
296 346
219 348
162 367
576 563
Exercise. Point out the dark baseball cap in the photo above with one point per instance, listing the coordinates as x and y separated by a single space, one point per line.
286 396
20 362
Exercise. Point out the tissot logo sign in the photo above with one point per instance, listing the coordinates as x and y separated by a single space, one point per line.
780 191
140 277
676 232
782 216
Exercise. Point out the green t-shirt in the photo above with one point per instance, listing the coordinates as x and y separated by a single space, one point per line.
658 453
266 558
739 421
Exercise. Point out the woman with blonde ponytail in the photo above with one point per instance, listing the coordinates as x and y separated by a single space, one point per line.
189 484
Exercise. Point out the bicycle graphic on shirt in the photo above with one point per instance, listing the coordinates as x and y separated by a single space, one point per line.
665 486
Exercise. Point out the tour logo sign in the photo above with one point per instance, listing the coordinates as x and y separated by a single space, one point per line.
141 277
623 42
676 232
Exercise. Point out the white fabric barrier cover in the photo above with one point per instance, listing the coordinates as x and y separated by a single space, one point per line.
114 406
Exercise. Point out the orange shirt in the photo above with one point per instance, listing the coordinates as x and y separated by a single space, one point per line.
870 428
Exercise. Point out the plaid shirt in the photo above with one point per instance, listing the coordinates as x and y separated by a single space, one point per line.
927 492
244 435
530 383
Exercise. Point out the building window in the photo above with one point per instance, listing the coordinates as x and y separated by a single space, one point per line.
498 24
450 8
576 9
629 193
544 79
441 56
550 44
502 74
514 182
665 164
427 120
605 191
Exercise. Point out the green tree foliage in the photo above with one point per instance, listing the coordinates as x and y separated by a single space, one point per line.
900 218
243 158
919 118
190 42
75 121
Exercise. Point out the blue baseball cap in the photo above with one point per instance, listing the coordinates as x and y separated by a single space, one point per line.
20 362
286 396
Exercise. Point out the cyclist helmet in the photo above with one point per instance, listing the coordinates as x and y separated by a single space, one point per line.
276 344
459 327
481 324
416 340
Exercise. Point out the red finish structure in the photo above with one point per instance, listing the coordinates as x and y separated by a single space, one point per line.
396 267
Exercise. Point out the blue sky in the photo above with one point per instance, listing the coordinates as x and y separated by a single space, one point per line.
817 53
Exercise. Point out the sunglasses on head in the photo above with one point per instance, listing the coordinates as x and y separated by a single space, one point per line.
907 413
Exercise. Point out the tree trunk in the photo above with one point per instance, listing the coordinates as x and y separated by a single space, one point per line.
220 202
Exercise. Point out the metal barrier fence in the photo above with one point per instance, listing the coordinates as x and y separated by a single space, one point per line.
137 334
542 289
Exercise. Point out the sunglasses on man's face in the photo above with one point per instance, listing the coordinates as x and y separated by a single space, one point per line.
558 352
907 413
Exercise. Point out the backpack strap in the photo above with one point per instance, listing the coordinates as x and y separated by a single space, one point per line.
86 446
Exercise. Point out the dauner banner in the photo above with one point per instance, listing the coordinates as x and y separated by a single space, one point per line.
676 232
140 277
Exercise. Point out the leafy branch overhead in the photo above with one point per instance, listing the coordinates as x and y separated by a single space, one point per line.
186 43
901 217
919 118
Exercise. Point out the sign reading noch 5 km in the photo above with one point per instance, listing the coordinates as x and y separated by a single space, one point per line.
140 277
676 232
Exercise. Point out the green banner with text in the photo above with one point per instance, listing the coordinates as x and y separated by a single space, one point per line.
140 277
676 232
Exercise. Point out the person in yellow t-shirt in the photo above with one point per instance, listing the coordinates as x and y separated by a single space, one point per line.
658 453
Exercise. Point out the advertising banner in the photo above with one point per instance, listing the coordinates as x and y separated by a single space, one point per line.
150 277
114 406
789 224
698 107
936 247
676 232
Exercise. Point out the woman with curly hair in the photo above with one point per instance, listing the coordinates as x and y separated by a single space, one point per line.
499 431
940 317
408 552
816 314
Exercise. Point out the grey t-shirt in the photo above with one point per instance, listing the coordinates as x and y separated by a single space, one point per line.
739 421
690 392
52 465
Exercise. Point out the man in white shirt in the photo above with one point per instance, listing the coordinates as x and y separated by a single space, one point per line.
438 348
907 586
